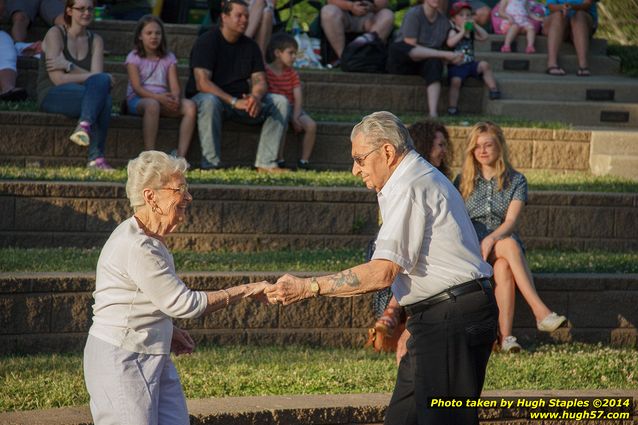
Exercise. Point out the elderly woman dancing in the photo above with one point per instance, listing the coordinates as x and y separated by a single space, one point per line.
127 366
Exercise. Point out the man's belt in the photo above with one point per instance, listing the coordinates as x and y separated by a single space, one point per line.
449 294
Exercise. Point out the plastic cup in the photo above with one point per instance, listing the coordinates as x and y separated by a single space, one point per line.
99 12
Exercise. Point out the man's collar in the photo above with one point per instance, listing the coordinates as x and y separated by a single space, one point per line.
398 172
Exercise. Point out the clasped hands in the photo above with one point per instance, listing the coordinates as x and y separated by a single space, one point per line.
288 289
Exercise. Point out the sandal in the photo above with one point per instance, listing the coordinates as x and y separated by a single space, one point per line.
583 72
555 70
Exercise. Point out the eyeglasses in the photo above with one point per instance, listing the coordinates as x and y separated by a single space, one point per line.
360 158
84 9
182 189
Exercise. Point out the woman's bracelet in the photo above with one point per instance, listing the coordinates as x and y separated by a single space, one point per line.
227 297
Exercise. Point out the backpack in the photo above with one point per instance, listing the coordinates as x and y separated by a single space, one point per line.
368 57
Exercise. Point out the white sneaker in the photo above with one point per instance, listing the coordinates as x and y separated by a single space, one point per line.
510 345
551 322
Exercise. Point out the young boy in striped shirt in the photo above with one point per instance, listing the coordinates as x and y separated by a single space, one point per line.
283 79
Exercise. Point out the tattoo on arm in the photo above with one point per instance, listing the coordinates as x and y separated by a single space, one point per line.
347 277
258 78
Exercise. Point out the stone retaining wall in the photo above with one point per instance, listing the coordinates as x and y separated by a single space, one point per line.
51 312
33 138
340 409
249 218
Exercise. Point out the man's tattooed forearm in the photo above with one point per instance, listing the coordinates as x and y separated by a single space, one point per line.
347 277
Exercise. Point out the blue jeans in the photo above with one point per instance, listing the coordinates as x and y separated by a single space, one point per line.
90 102
211 111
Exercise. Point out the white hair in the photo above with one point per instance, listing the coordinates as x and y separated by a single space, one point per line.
151 169
384 127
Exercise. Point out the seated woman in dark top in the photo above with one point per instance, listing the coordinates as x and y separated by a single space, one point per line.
71 80
495 195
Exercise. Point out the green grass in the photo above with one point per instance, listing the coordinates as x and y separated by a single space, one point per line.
85 260
538 180
55 380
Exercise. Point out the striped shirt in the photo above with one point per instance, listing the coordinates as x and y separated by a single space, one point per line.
284 83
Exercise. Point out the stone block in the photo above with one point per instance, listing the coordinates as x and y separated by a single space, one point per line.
561 155
626 223
362 312
203 217
245 315
104 215
254 217
23 189
27 140
78 240
613 310
50 214
366 219
581 222
572 135
85 190
7 212
42 343
313 416
624 337
218 337
321 218
394 98
534 221
333 96
345 195
283 337
344 338
317 313
72 312
25 314
521 153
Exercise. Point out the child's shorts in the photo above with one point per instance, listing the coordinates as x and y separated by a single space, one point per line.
469 69
131 105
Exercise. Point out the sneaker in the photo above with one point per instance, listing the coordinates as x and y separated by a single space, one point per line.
100 164
506 49
495 94
80 135
551 322
453 111
510 345
281 163
206 165
303 165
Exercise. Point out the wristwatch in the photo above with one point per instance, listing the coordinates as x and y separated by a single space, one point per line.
314 287
233 101
69 67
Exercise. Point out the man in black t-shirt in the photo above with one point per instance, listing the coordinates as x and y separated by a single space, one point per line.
221 63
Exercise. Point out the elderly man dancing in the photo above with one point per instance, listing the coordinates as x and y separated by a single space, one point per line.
428 251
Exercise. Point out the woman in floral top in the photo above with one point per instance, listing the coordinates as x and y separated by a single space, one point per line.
495 195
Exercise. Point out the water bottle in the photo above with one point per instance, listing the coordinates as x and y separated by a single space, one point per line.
296 28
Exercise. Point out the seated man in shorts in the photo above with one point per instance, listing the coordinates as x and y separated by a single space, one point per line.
419 48
371 18
21 13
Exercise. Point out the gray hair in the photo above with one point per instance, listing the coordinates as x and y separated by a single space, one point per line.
151 169
384 127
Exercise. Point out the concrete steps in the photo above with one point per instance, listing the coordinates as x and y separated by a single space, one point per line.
48 144
329 409
51 312
533 86
494 42
537 63
260 218
615 153
118 36
617 114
